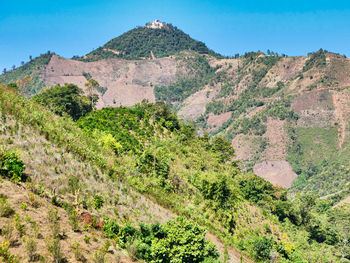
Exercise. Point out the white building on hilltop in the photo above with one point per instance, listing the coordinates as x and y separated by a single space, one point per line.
156 24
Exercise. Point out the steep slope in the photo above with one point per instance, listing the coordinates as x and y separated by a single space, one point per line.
85 171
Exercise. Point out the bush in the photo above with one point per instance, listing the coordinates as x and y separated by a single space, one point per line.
98 201
184 242
5 209
11 166
111 228
31 247
5 255
262 248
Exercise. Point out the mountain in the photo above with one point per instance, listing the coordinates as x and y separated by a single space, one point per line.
155 40
286 117
136 183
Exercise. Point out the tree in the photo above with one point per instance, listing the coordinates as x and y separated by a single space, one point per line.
13 67
30 58
22 63
184 242
22 83
223 148
4 70
67 99
92 85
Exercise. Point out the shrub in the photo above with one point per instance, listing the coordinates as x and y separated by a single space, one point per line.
31 247
262 248
77 252
74 220
18 225
87 239
5 255
111 228
54 248
184 242
11 166
98 201
99 256
5 209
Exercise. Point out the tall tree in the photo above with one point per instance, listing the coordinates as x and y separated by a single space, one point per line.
92 85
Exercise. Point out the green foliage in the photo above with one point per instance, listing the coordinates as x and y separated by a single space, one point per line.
262 248
5 255
32 68
216 107
200 74
111 228
67 99
256 189
145 120
11 166
317 59
98 201
158 166
184 242
223 148
5 209
178 240
219 188
141 41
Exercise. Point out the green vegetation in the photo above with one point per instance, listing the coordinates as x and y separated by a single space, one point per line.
11 166
141 41
199 73
119 121
33 69
162 158
317 59
315 157
67 99
178 240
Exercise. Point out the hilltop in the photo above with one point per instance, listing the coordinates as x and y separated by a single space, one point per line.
155 40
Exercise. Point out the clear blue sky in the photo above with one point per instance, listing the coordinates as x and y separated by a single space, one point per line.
75 27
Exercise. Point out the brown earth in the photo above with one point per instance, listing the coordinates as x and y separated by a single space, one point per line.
279 173
277 138
216 121
127 82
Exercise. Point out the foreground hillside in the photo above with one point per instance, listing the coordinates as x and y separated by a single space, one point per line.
131 167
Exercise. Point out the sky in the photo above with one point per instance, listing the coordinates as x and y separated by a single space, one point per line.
75 27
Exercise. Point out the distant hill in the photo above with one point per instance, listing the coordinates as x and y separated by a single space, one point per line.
153 40
34 69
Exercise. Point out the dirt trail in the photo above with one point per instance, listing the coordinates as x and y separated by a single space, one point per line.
340 118
333 87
